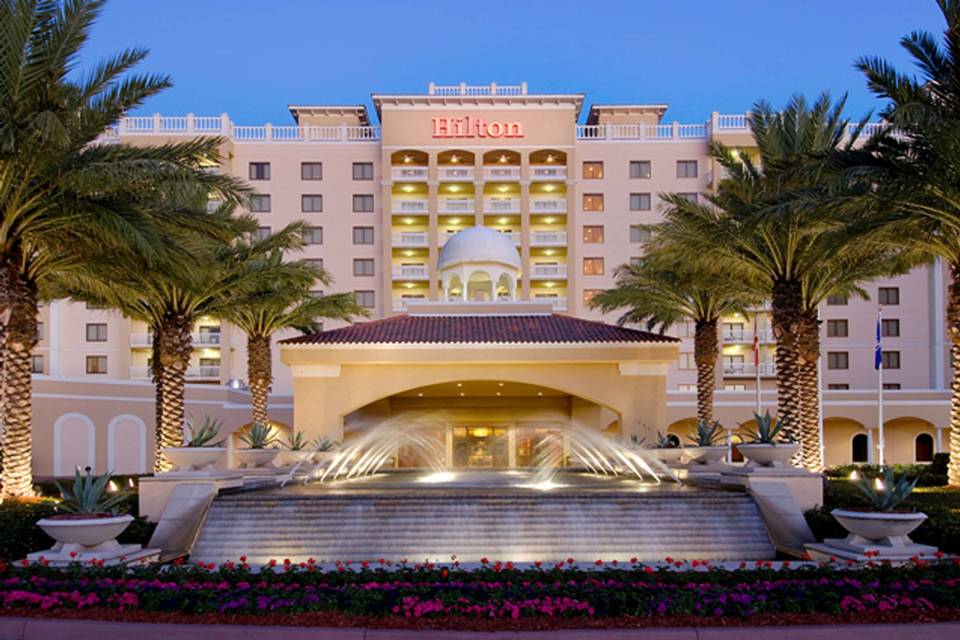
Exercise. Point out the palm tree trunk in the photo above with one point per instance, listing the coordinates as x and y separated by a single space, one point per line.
705 344
786 306
259 374
172 349
953 329
21 338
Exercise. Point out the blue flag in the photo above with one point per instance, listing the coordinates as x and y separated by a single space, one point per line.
878 350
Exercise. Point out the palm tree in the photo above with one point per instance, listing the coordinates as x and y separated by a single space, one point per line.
911 169
289 304
661 290
770 220
55 176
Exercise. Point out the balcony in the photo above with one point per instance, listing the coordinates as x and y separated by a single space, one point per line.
548 238
200 339
558 172
548 205
455 174
409 206
548 271
450 205
418 174
501 173
411 272
410 239
193 373
745 336
191 125
502 205
559 304
748 369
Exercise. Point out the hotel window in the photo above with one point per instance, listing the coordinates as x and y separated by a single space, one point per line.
261 233
259 170
734 387
592 235
838 360
96 364
316 263
889 295
311 171
363 171
40 332
639 234
859 448
686 361
838 387
836 300
36 364
923 448
692 197
891 359
639 202
890 328
891 386
686 387
311 203
363 235
640 169
313 235
590 294
593 266
837 328
593 202
365 299
686 168
592 170
362 203
363 267
96 332
260 203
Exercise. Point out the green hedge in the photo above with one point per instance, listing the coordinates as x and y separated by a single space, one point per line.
928 475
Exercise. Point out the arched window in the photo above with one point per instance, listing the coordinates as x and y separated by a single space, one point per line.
923 448
735 455
859 448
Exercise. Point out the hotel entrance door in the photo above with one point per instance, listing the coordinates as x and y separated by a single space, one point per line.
479 447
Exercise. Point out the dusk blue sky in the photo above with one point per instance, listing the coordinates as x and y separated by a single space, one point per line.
251 58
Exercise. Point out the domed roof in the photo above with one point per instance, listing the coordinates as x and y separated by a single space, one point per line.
479 244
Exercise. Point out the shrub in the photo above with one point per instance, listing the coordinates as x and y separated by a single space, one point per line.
19 534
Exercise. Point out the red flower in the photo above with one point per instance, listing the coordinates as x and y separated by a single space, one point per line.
25 562
633 560
364 564
570 561
243 558
444 572
537 563
599 563
73 554
484 561
648 569
272 562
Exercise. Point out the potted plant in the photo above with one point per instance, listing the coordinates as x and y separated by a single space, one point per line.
297 448
767 445
705 449
883 524
324 451
199 451
667 448
91 517
258 453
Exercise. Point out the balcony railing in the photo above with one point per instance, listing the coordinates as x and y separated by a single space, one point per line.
409 173
198 339
746 335
409 206
548 173
548 271
464 89
548 205
410 239
548 238
455 173
193 373
502 205
748 369
673 131
447 205
559 303
191 124
501 173
411 272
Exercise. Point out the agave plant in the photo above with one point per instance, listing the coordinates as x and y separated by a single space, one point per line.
260 436
87 495
204 433
668 441
886 494
297 441
324 444
708 433
768 431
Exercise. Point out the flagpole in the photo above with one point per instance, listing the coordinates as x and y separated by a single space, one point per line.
878 359
756 360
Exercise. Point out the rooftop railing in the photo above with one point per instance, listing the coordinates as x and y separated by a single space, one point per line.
464 89
191 124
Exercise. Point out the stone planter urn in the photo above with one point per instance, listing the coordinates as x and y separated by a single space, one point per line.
195 458
668 456
80 532
704 455
287 458
255 458
325 457
880 528
768 455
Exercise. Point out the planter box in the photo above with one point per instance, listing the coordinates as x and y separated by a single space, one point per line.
85 533
704 455
195 458
255 458
882 535
768 455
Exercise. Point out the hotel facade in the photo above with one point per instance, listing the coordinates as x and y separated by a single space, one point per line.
567 186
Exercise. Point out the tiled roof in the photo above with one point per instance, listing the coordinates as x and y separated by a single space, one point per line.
480 329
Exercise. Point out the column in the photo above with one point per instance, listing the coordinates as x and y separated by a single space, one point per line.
525 232
385 295
433 253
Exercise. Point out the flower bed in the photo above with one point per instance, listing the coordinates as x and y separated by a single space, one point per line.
496 594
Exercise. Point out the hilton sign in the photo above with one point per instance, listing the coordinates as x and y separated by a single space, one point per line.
474 127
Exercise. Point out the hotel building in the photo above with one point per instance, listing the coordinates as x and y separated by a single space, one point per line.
567 185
